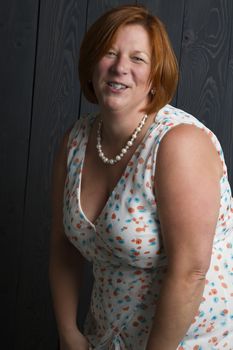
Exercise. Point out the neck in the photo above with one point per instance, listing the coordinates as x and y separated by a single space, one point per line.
118 127
126 147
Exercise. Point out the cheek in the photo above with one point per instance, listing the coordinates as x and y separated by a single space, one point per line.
101 68
99 73
143 80
96 78
142 74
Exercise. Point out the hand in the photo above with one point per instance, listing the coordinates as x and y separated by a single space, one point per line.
74 341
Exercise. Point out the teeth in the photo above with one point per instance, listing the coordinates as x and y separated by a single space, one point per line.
117 86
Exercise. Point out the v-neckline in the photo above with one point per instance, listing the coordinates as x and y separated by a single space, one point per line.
89 121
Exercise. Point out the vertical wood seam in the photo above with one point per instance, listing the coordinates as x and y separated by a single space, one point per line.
81 93
231 42
180 53
27 170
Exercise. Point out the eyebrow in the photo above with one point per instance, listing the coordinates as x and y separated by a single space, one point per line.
135 51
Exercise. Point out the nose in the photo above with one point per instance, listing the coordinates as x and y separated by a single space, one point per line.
120 65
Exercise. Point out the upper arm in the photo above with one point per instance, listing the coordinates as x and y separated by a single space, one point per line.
188 194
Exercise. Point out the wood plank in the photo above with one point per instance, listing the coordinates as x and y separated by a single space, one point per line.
205 67
97 7
172 17
18 30
225 120
55 107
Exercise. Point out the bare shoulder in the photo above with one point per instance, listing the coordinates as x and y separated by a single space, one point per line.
190 147
187 186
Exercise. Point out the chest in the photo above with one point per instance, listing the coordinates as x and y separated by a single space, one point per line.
98 181
122 206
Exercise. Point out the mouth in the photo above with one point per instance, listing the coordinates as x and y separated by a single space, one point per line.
116 85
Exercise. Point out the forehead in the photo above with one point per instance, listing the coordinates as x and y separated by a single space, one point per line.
134 35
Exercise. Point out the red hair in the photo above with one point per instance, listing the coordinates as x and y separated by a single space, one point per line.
99 38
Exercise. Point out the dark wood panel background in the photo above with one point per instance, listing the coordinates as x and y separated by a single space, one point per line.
18 38
40 98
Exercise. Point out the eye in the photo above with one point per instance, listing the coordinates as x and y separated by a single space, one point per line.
111 53
138 59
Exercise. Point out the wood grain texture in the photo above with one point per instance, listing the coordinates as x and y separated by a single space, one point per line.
55 107
225 121
171 16
18 29
204 67
37 106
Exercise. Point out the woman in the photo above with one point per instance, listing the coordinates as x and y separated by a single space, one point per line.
146 199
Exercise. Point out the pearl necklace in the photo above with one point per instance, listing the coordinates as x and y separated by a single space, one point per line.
124 150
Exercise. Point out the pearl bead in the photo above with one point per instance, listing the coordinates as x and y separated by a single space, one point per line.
124 150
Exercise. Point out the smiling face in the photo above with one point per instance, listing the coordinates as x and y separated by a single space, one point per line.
121 77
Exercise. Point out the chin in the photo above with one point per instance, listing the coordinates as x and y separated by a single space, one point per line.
112 106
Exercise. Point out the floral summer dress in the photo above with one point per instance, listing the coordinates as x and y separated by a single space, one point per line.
126 248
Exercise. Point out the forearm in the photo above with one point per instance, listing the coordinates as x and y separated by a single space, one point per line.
178 303
65 274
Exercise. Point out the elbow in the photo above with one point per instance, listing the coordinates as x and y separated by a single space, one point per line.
199 268
191 271
197 274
